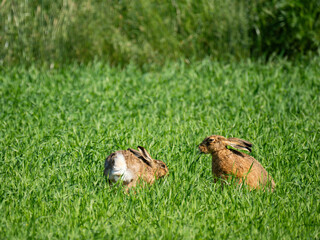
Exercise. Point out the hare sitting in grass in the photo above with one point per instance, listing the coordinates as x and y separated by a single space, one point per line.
232 163
131 165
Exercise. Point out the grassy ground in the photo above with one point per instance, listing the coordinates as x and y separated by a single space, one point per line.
57 127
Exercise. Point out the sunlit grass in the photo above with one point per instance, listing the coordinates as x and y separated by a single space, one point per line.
57 127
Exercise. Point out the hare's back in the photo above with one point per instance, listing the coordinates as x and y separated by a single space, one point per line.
257 174
138 166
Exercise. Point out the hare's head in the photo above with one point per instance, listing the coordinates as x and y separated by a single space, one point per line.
216 143
159 168
212 144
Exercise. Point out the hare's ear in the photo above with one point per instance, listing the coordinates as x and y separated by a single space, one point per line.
135 152
239 144
140 155
145 153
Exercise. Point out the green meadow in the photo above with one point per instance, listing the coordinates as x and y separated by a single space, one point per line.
59 125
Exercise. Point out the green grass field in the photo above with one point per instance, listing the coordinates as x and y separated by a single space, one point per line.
57 127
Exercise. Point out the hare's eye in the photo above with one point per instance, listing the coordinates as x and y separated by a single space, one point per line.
163 166
211 140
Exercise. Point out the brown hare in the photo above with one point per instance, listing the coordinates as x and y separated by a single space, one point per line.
232 163
131 165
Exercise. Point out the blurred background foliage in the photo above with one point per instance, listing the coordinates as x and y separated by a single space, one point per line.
154 31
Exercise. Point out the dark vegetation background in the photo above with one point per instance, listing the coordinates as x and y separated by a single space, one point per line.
154 31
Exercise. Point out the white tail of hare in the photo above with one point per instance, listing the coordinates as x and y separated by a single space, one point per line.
131 165
229 162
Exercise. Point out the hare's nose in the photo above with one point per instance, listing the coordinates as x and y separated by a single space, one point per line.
200 147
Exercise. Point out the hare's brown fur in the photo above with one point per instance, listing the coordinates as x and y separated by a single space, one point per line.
138 166
228 163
